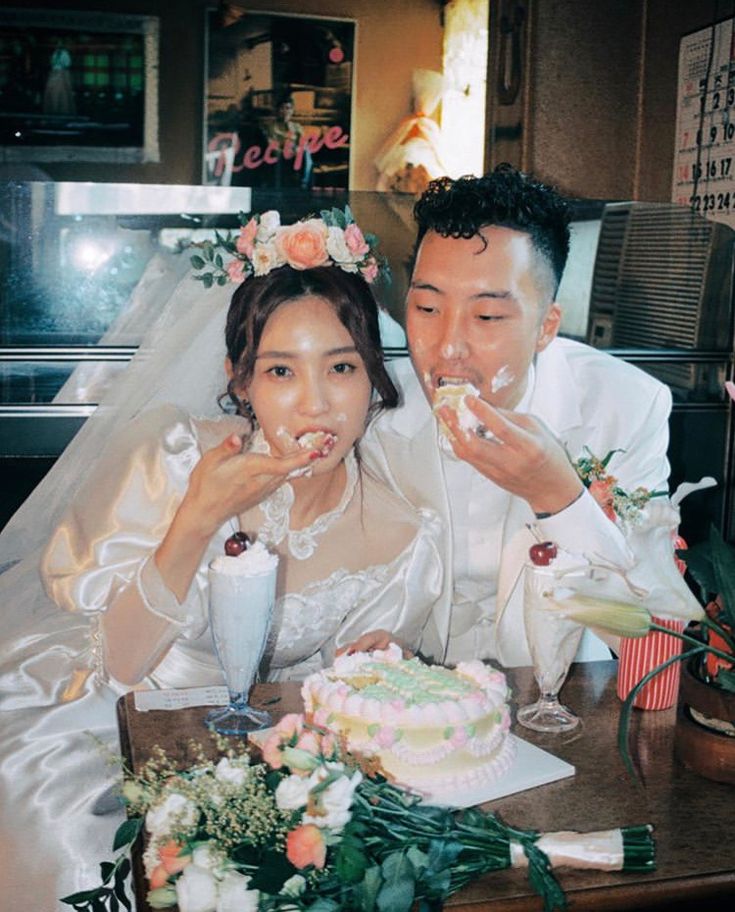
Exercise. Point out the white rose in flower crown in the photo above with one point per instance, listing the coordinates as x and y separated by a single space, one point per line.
265 258
176 809
334 803
292 793
232 773
233 894
196 890
339 251
269 223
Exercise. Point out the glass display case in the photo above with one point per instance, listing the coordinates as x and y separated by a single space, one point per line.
85 270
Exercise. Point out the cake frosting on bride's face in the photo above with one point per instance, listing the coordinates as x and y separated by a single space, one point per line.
310 387
434 730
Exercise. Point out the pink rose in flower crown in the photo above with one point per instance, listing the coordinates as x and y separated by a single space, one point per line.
370 270
236 270
355 241
306 846
303 245
246 241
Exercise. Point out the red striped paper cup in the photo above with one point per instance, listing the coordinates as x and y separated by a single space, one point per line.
640 655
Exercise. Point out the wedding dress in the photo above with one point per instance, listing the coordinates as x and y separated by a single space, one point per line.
371 562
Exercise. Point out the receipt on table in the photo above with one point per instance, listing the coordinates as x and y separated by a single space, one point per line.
181 698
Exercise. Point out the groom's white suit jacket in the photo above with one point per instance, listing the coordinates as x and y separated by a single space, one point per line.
588 399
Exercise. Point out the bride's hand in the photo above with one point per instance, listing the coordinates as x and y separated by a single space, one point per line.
375 639
226 481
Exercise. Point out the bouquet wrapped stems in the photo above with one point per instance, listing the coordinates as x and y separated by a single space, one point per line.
315 828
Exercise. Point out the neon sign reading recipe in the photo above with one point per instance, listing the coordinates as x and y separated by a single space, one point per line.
255 156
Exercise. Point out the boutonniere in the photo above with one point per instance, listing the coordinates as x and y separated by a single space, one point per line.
616 502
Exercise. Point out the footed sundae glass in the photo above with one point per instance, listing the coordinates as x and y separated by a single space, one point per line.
553 641
242 595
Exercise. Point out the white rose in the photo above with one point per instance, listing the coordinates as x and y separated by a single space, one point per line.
335 802
338 250
292 793
207 857
265 258
269 223
233 773
175 809
233 894
196 890
294 886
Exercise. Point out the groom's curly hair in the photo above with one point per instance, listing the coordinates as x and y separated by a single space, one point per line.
505 197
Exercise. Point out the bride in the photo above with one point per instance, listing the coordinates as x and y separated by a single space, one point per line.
156 493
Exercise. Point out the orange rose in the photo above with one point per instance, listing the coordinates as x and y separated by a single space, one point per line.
303 245
170 863
305 846
603 494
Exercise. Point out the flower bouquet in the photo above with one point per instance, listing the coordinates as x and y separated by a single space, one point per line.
315 828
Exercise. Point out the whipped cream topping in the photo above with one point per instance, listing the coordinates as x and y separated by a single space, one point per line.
257 560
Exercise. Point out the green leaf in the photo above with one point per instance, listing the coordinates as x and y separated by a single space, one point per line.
274 871
338 218
351 859
442 854
349 217
107 869
218 261
397 892
83 896
221 279
197 262
367 892
113 904
323 905
723 563
326 217
726 680
208 251
419 860
127 832
207 280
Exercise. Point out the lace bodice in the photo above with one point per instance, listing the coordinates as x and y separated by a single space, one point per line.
371 562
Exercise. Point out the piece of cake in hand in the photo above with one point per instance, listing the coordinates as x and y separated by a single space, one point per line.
320 441
434 730
454 396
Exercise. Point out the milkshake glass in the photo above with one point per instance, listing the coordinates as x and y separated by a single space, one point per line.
242 595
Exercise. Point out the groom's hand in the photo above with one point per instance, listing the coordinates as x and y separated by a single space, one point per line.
519 453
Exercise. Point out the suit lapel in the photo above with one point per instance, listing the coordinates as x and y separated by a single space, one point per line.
555 402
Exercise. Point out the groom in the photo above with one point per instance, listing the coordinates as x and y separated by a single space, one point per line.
481 309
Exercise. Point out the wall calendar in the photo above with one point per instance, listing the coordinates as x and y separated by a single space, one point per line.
704 156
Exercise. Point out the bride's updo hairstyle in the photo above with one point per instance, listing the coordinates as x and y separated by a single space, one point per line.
347 293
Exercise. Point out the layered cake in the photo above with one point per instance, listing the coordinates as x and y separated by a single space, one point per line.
435 730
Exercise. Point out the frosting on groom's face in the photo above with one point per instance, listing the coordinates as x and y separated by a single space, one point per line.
478 310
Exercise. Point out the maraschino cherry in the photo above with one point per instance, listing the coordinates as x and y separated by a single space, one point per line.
542 553
236 544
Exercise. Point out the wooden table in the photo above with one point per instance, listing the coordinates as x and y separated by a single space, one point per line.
694 818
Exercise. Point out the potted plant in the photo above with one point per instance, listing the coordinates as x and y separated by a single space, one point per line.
705 732
705 736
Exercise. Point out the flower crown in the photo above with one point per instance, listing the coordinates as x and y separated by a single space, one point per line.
263 244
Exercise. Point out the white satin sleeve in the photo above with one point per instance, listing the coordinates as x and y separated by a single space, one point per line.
404 595
102 550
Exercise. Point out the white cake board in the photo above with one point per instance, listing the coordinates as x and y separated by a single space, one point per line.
530 768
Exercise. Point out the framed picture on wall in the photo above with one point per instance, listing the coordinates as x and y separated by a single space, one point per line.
278 100
80 87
